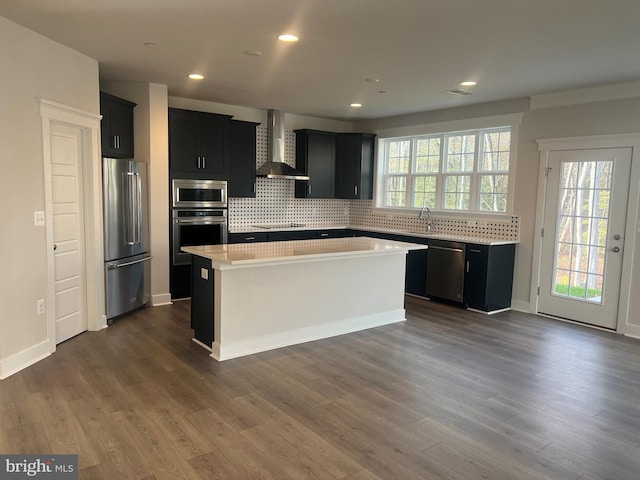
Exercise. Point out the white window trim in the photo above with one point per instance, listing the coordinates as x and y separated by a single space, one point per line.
480 123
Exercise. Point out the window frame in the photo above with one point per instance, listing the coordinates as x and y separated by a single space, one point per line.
444 131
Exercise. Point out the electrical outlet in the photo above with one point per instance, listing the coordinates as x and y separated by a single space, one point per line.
38 218
40 306
204 274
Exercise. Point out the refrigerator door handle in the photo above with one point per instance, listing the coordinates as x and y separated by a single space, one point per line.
134 207
138 207
113 266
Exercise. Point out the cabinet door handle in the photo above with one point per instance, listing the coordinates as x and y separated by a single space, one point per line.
474 250
253 188
249 238
324 234
118 137
355 190
309 189
204 162
467 266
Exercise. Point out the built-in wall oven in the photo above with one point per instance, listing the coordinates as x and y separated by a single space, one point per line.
198 216
197 227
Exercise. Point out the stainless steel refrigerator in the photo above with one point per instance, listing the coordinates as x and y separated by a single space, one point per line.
126 233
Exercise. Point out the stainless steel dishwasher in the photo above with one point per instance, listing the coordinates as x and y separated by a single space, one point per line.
445 270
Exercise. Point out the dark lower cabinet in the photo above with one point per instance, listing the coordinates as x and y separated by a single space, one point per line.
248 237
180 281
291 235
489 276
202 298
284 235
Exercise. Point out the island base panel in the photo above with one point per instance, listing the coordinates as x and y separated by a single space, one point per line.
263 307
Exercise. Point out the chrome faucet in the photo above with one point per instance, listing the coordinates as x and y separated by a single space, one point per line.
428 217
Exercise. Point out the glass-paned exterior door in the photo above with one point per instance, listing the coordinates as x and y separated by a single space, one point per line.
583 228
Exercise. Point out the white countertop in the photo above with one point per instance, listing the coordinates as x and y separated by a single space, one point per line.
244 254
422 234
444 236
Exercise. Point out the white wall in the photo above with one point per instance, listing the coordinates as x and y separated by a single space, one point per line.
597 118
32 66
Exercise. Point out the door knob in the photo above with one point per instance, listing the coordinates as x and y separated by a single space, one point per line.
55 247
615 249
616 236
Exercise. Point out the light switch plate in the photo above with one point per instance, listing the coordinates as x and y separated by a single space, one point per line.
204 274
38 218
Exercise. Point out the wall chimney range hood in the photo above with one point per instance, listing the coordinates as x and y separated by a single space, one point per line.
275 166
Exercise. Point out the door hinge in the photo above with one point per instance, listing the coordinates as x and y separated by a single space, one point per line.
538 290
542 232
546 172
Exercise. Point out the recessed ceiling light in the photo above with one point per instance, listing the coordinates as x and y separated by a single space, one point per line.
372 80
288 37
382 91
196 76
252 53
468 84
356 105
149 44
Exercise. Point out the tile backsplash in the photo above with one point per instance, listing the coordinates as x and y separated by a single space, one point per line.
275 203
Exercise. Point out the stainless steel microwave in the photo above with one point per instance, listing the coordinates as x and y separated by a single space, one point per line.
187 193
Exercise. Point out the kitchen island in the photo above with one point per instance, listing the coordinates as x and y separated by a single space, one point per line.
252 297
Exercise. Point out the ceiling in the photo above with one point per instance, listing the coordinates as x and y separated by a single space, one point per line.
417 49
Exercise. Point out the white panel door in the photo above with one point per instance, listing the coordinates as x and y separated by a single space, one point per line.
584 226
66 190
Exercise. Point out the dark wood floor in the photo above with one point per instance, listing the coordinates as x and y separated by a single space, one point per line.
448 394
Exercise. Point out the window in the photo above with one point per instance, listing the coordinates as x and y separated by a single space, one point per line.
466 171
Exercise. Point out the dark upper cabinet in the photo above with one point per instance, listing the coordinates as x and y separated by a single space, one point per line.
242 159
489 276
316 156
116 127
198 144
354 165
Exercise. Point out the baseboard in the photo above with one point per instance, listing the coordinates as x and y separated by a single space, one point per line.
161 299
23 359
490 312
303 335
632 331
103 323
521 306
203 345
